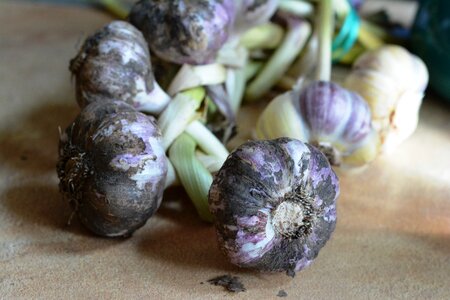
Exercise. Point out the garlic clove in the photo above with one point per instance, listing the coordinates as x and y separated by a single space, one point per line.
403 122
380 92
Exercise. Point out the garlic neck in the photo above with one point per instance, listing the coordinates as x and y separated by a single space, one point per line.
330 152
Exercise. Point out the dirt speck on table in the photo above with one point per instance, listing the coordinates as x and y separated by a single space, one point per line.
230 283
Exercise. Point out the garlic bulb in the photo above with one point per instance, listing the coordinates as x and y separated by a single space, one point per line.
392 81
326 115
274 204
114 63
184 31
112 167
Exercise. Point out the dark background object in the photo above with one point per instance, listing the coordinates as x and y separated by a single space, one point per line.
431 41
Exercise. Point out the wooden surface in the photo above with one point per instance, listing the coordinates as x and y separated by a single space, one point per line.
392 239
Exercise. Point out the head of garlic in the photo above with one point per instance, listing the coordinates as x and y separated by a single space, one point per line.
112 168
392 81
274 204
114 63
326 115
184 31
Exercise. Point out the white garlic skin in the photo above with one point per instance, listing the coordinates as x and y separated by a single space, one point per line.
114 63
392 81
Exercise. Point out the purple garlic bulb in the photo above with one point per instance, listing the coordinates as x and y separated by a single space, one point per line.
251 13
334 116
112 167
184 31
114 63
274 204
329 117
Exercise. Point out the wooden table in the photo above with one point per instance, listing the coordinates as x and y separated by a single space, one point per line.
392 239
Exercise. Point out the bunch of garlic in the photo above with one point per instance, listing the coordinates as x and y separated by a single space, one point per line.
392 81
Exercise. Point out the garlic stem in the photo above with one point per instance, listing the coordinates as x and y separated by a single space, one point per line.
235 87
179 113
296 7
251 69
206 140
307 61
325 25
155 107
341 7
296 37
190 76
232 53
286 82
171 179
115 7
194 177
265 36
210 162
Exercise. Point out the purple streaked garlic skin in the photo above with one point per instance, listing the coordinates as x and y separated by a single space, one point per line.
335 117
274 204
184 31
114 63
323 105
112 168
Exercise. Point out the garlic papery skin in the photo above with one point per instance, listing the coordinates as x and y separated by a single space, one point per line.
114 63
392 81
112 168
184 31
323 114
274 204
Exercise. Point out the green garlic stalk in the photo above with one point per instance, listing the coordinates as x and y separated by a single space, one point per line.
325 25
296 7
190 76
116 8
195 178
297 34
193 150
265 36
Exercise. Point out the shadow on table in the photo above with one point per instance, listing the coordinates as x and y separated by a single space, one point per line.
30 150
434 112
31 145
188 241
189 245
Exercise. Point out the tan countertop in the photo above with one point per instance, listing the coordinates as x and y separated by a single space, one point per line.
392 238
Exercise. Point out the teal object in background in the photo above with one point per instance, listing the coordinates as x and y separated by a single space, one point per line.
431 41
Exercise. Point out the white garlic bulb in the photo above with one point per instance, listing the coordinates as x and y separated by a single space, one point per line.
392 81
